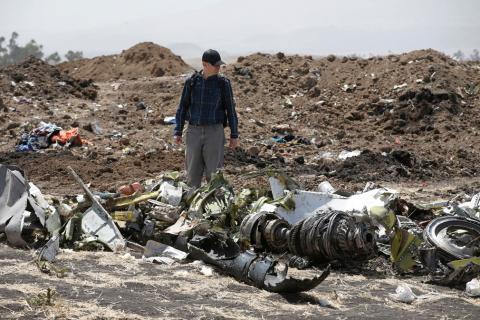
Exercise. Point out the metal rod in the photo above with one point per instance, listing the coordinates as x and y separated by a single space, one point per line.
88 192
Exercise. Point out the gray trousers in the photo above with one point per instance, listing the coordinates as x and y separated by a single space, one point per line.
204 152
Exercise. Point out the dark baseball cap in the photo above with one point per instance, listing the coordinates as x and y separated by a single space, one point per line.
213 57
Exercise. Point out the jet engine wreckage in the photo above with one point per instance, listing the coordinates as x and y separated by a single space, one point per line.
253 236
322 237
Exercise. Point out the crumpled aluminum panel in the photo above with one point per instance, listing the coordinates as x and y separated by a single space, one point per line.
13 202
307 202
96 224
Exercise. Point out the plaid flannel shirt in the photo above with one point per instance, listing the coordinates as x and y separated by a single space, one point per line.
207 106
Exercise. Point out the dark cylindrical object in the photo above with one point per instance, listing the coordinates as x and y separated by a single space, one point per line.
332 235
324 236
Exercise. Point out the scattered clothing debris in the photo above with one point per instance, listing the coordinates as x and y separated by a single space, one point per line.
47 134
68 138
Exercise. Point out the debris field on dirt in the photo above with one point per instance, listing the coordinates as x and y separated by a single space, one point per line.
316 189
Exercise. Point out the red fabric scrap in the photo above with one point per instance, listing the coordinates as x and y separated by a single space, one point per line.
68 136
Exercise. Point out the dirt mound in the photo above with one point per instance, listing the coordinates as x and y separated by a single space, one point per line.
395 91
420 89
145 59
394 166
36 78
422 101
412 116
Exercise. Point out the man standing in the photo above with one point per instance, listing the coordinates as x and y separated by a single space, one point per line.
207 104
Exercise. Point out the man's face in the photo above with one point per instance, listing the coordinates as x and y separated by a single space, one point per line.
210 69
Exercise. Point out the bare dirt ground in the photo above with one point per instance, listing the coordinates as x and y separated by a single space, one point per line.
103 285
420 138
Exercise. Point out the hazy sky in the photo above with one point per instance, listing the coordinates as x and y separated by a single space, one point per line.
236 27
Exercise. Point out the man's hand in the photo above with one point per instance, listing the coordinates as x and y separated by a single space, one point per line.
233 143
178 140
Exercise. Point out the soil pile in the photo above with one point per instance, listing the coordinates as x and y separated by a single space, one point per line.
408 118
145 59
408 93
35 78
421 102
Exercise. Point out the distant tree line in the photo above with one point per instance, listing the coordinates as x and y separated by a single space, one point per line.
13 52
460 56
